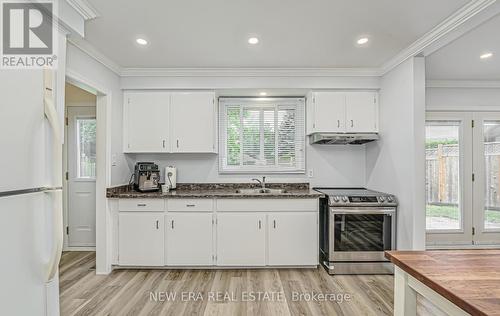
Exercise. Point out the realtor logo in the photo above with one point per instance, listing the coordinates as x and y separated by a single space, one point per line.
27 34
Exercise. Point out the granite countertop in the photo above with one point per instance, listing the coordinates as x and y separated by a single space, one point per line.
217 190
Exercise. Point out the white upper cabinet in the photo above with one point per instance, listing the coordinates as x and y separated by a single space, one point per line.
146 121
339 112
361 112
159 121
193 122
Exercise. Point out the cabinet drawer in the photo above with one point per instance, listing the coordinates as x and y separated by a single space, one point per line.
266 205
190 205
141 204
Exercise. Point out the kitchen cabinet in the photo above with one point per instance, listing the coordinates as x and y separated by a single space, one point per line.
146 122
189 239
141 238
293 238
160 121
241 239
193 122
361 112
342 112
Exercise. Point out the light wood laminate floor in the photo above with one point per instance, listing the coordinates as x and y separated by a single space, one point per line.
217 292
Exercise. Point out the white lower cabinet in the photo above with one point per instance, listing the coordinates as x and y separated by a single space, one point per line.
241 239
140 238
189 239
293 238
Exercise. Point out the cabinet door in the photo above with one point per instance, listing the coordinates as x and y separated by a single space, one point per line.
146 121
241 239
361 112
329 112
293 238
141 239
189 239
193 122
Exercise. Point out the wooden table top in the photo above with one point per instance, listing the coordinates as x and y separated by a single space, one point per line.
468 278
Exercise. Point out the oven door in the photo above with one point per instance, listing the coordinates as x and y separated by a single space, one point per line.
361 234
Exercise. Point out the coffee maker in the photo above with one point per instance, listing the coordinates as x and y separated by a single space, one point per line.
146 176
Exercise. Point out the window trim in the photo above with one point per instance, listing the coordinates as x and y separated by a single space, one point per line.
226 102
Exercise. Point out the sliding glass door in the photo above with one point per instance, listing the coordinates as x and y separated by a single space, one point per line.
487 178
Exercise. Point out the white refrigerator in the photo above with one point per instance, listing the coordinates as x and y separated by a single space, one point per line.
30 193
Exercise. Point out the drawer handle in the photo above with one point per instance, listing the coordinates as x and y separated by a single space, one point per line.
141 204
157 224
190 205
172 224
274 224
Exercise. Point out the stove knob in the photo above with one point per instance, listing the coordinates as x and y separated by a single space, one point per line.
381 199
390 199
345 199
336 199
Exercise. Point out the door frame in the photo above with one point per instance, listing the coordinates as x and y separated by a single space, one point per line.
103 166
463 236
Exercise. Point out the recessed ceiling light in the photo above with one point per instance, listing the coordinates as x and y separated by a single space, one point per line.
362 41
486 55
253 40
141 41
263 93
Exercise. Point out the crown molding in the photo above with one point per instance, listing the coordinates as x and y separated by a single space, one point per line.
250 72
88 49
84 8
451 23
463 84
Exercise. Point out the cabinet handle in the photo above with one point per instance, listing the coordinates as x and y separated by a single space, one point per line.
352 123
163 143
172 224
157 224
260 224
338 123
141 204
177 143
190 205
274 224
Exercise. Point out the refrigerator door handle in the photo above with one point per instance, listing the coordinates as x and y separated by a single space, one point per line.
57 235
51 114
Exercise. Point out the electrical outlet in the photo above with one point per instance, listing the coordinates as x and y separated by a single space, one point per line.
113 160
310 173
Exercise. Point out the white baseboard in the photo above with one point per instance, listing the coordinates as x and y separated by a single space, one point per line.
79 249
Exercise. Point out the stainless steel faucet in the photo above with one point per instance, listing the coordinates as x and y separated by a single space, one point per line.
262 183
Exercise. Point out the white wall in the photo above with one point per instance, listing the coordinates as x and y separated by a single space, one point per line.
395 163
462 99
331 165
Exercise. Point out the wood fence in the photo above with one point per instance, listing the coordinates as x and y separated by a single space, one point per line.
442 175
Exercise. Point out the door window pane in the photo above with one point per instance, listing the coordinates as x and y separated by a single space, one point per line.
492 174
442 157
86 150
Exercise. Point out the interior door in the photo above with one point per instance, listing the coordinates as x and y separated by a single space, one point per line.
241 239
147 121
189 239
486 178
329 112
361 112
448 178
193 124
81 176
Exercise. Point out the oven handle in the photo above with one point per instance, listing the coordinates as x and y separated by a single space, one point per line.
384 211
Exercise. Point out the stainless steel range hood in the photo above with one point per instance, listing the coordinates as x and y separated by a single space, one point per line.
342 138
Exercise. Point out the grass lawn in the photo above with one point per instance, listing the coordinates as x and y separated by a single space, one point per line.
453 212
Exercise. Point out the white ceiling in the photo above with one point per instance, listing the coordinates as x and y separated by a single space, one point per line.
460 60
293 34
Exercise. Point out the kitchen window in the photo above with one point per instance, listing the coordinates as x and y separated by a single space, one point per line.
262 135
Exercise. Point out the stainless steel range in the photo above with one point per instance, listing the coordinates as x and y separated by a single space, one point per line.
356 227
